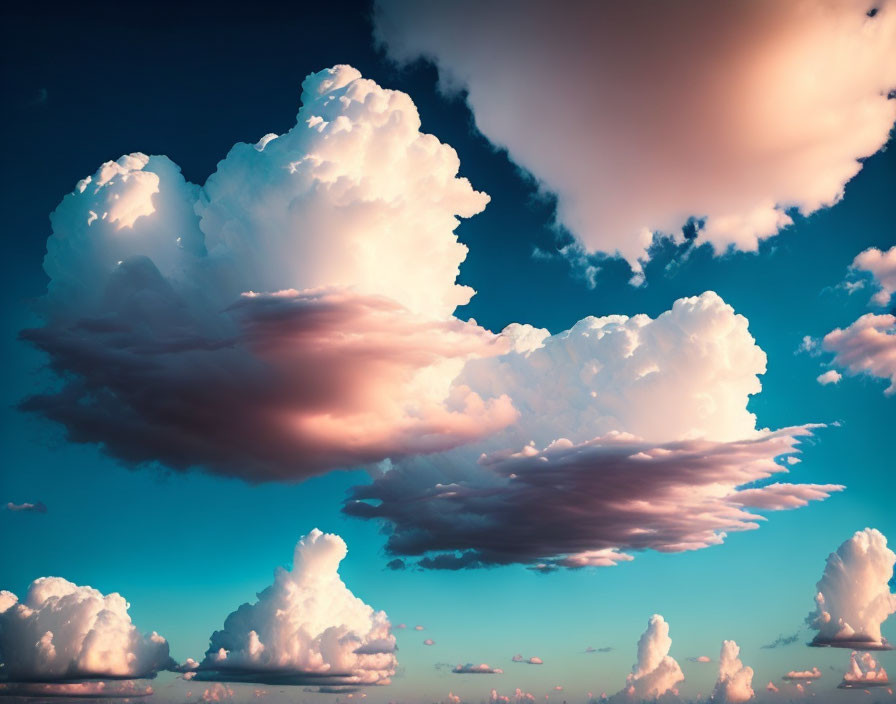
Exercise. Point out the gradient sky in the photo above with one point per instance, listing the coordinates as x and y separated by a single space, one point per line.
85 85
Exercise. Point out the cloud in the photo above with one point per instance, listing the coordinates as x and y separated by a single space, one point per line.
832 376
864 671
518 697
812 674
882 267
429 641
26 507
854 598
529 661
701 659
868 346
781 641
644 420
291 316
61 631
418 628
748 109
119 689
306 628
655 673
605 649
771 687
735 683
471 669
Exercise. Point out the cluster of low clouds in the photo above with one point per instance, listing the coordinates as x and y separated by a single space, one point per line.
307 628
746 111
295 315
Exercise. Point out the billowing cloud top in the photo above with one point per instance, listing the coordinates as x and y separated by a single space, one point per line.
864 671
746 110
735 679
306 628
291 316
882 267
854 598
655 673
643 420
62 631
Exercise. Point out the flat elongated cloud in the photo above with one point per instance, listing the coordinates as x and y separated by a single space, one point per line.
655 673
881 265
26 507
868 347
643 421
798 675
735 682
95 690
291 316
61 631
528 661
482 669
854 598
306 628
747 109
864 671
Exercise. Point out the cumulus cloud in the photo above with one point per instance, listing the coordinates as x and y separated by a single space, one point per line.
881 265
854 598
771 687
62 631
471 669
26 507
518 697
864 671
655 673
868 346
528 661
429 641
832 376
306 628
746 110
812 674
596 421
735 682
290 316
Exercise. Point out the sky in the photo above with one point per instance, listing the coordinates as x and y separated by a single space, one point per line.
539 331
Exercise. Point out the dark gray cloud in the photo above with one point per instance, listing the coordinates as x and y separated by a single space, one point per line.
781 641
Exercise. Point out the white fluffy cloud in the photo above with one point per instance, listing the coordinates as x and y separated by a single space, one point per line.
868 346
832 376
291 316
864 671
882 267
854 598
745 110
644 420
306 628
656 673
735 682
798 675
62 631
518 697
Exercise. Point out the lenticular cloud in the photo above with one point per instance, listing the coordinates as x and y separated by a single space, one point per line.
745 110
306 628
62 632
854 598
291 316
633 434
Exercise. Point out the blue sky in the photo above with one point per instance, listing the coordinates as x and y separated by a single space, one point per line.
186 549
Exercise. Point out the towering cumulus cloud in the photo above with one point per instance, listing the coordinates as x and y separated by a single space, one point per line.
854 598
291 316
735 683
746 110
643 421
655 673
306 628
62 631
